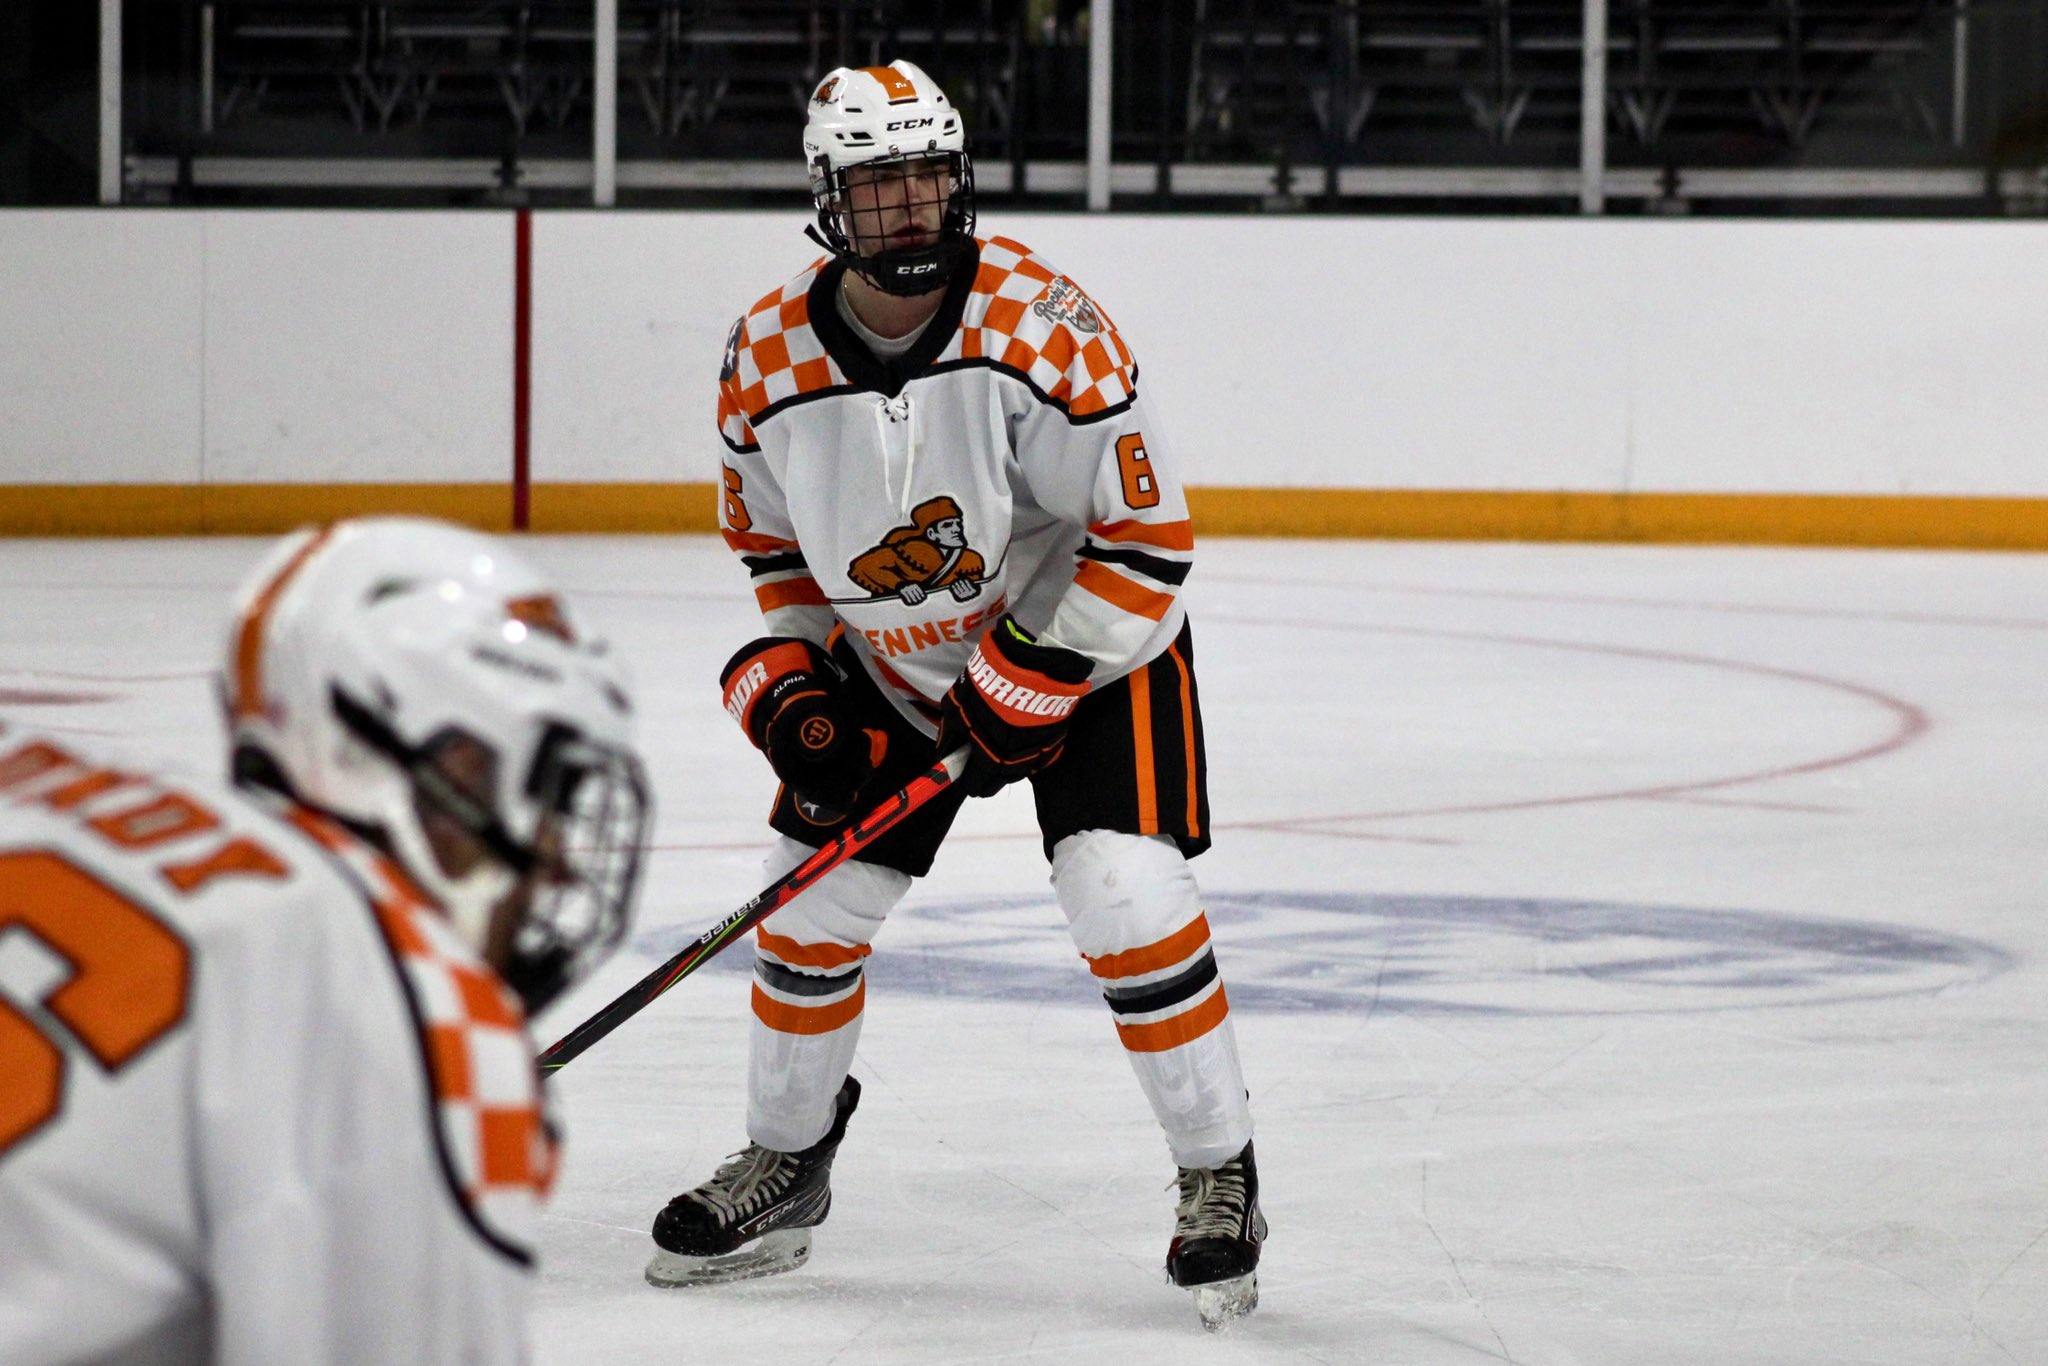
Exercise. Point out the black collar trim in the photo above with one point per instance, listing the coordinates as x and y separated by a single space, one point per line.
863 368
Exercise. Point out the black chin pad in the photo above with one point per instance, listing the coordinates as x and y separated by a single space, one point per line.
908 271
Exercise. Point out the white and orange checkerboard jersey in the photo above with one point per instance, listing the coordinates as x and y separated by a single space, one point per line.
1005 462
258 1102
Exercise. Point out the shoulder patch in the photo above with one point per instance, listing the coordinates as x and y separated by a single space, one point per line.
1063 302
1029 320
730 366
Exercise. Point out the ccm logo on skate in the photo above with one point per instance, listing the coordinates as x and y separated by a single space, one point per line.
743 689
1014 697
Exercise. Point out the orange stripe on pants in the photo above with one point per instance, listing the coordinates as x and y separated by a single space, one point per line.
1161 1035
1141 743
1187 730
789 1019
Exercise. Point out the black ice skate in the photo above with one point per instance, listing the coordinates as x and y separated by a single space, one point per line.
1217 1230
754 1216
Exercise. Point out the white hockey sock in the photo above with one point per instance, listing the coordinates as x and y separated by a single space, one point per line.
808 995
1136 916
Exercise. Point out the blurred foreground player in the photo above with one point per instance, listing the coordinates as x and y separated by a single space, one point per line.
266 1092
962 530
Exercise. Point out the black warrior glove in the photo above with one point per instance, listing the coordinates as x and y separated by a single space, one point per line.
1011 707
786 695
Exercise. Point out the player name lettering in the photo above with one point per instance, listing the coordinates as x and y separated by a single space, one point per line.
136 815
1014 696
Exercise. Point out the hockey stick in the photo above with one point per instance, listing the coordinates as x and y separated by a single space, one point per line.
778 894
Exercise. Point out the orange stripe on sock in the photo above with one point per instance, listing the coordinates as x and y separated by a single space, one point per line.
1179 945
1187 731
789 1019
1141 744
796 955
1127 593
1172 1033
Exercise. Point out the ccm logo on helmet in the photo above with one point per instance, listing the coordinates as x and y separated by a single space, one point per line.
901 124
1027 701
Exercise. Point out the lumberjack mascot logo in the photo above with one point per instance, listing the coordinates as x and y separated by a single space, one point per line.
915 561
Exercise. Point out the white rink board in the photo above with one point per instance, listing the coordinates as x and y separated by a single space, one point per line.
351 347
1618 355
1887 358
630 315
100 347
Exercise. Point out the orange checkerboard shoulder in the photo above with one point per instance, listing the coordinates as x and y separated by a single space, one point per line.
498 1149
1027 318
779 355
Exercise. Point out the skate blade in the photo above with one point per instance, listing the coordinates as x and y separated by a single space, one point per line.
771 1254
1222 1303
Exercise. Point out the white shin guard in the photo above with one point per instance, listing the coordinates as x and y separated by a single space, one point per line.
1133 907
793 1073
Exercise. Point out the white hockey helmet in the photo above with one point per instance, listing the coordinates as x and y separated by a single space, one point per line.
892 117
362 651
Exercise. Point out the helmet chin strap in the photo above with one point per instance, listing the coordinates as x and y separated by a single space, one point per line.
905 271
469 900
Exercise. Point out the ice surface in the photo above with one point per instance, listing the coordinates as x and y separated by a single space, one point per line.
1636 954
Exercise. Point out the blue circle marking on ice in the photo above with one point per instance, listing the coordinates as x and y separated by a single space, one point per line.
1353 952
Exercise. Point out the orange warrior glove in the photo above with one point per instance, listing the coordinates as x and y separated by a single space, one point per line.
788 697
1011 707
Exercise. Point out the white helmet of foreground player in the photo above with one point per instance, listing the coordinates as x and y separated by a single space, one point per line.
890 175
424 685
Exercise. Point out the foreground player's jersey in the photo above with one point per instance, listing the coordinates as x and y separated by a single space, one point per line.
258 1102
1005 463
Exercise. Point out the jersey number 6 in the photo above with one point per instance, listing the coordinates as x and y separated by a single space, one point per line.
736 518
129 977
1134 462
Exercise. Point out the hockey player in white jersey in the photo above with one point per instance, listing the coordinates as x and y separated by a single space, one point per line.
266 1091
961 528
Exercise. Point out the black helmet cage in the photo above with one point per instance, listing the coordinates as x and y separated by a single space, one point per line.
898 270
599 797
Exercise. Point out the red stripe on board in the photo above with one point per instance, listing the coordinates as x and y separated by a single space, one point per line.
522 367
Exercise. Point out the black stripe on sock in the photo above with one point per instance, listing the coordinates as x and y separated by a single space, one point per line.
790 982
1152 996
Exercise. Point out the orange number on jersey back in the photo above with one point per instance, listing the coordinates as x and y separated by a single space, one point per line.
736 517
129 977
1141 490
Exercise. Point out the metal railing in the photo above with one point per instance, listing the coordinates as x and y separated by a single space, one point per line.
1552 103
